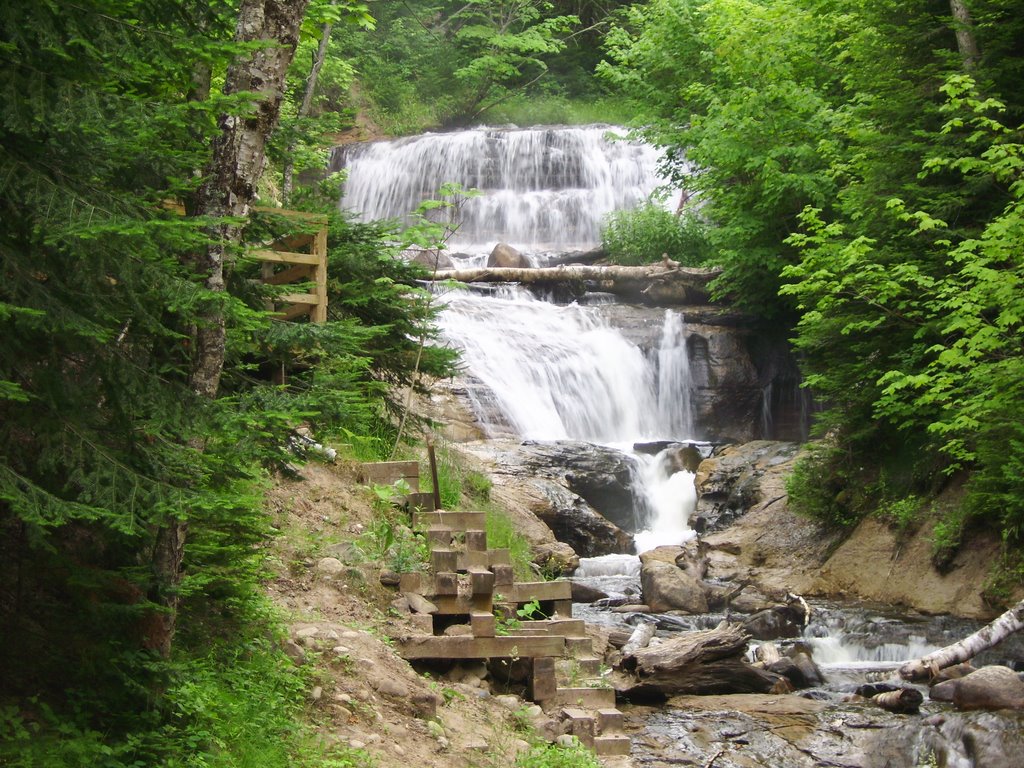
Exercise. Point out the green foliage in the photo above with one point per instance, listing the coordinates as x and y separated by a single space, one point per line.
431 64
646 234
502 534
817 483
903 514
552 756
389 540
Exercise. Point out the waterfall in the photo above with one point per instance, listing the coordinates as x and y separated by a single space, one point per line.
550 372
544 190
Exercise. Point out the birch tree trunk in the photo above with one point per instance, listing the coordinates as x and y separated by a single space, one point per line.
989 635
229 187
963 26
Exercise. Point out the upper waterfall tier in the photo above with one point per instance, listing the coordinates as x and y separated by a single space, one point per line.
543 189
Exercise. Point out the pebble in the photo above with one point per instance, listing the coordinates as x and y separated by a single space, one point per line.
317 693
566 740
357 744
509 701
305 632
398 750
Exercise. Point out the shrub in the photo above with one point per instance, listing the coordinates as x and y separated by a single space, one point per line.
643 235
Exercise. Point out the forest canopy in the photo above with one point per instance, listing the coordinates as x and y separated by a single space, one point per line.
858 170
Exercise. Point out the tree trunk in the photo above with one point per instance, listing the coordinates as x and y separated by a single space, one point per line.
989 635
288 175
237 161
650 284
966 43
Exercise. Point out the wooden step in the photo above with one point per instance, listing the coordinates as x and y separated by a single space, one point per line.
483 624
580 724
423 647
476 541
457 521
389 473
587 666
439 536
612 744
563 627
525 591
609 721
419 502
543 684
589 698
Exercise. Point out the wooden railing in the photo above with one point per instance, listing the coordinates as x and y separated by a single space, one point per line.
297 258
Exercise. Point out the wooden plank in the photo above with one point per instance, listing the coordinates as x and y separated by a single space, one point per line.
483 624
320 250
526 591
318 218
298 298
542 679
612 744
388 472
289 275
290 313
591 698
284 257
421 647
457 521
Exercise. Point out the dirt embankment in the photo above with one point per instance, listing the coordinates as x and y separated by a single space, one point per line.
782 551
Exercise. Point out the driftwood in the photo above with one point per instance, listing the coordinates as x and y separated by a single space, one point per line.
641 637
905 701
649 284
706 662
986 637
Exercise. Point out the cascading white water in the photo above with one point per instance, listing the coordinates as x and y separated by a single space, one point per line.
543 189
549 372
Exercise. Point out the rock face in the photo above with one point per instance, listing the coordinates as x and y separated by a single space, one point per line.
603 477
729 483
504 255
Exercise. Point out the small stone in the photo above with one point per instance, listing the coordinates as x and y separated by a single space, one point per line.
391 687
317 693
435 729
397 749
418 603
566 741
304 632
341 650
459 630
443 744
329 566
357 744
390 578
344 698
534 711
309 642
509 702
294 652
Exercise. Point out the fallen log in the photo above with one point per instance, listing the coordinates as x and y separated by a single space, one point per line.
986 637
705 662
654 284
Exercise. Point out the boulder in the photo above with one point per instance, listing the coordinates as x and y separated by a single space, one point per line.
584 593
666 587
775 622
432 258
992 687
504 255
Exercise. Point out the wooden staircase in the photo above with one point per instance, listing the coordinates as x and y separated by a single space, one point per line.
472 587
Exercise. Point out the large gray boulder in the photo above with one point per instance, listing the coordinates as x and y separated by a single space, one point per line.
992 687
666 587
504 255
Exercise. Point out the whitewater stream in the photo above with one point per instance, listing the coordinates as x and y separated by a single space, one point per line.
538 370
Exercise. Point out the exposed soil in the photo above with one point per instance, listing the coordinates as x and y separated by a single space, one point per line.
365 695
